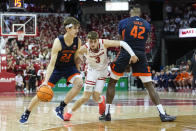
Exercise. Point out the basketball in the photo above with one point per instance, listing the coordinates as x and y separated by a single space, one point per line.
45 93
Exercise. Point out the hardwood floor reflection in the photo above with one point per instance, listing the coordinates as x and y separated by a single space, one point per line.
130 111
141 124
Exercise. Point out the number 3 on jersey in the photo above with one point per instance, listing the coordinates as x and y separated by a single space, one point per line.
97 59
134 32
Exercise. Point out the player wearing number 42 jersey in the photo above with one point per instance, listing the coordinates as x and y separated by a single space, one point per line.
133 30
95 51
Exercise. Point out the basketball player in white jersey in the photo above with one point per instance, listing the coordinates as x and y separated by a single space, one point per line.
95 51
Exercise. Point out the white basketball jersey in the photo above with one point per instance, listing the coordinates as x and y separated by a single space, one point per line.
97 60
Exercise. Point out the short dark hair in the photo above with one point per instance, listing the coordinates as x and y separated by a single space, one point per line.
135 6
135 9
93 35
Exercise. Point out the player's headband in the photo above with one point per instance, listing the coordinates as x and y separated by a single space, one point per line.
68 26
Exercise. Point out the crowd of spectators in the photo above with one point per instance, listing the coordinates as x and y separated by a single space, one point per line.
30 57
179 16
174 78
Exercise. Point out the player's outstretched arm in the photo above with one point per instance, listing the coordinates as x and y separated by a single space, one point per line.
55 49
116 43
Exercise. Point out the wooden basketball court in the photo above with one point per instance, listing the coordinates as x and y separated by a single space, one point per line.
131 111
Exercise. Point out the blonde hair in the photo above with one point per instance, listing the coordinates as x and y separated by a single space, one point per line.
93 35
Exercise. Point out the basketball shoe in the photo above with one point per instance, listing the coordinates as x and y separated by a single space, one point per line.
67 116
102 106
167 118
24 117
104 117
59 112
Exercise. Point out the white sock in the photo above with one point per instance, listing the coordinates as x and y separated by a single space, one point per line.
101 99
160 108
107 110
70 111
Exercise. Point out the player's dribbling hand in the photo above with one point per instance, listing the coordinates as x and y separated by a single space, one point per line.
133 59
43 84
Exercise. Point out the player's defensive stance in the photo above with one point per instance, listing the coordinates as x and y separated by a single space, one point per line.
95 51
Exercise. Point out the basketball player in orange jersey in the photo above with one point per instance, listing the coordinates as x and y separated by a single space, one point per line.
95 51
62 64
133 30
